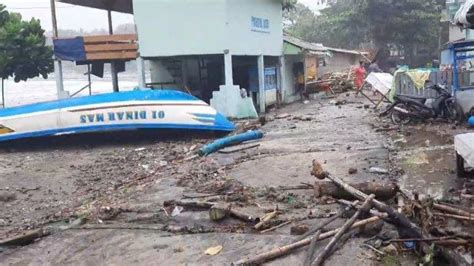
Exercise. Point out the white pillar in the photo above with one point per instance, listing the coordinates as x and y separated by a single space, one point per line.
141 73
229 75
261 84
282 76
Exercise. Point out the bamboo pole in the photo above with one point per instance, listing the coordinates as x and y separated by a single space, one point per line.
452 210
280 251
312 249
327 250
457 217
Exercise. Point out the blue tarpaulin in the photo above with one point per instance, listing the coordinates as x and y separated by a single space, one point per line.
70 49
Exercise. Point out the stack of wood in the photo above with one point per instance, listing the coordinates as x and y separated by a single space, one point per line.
338 82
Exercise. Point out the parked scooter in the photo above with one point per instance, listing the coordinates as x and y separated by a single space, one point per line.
406 108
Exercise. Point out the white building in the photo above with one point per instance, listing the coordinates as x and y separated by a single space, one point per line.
199 45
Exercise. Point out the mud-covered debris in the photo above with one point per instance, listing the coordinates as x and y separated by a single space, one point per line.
282 116
378 170
6 196
214 250
352 171
299 229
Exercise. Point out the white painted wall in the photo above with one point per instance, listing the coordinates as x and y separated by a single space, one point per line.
289 81
242 40
192 27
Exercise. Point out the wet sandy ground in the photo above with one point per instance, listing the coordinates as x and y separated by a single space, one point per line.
123 176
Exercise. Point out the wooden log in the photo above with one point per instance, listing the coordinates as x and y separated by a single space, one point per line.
218 212
312 249
396 218
265 219
145 227
281 251
276 227
326 223
327 250
244 216
422 239
449 209
192 205
381 190
25 238
349 203
457 217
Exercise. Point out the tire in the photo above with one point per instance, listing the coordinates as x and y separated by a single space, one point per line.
460 170
451 112
461 117
399 118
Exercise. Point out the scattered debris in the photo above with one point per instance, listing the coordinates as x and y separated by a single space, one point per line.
381 190
6 196
299 229
352 171
377 170
25 238
214 250
239 148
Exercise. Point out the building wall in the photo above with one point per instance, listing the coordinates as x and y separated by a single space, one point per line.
199 27
455 33
340 61
243 39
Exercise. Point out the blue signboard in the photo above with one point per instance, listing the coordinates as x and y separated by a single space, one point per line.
271 82
260 24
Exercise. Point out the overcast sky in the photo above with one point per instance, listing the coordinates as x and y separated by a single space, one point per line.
74 17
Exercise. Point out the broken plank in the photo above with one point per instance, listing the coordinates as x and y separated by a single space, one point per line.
25 238
238 148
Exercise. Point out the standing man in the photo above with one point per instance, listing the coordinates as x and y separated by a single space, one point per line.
374 67
359 76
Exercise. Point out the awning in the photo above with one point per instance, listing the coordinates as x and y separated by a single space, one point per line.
123 6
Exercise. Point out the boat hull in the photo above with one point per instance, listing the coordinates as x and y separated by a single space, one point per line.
146 109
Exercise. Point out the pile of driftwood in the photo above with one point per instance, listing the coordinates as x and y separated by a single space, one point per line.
336 82
379 211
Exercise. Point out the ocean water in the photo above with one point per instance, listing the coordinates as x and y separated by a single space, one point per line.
41 90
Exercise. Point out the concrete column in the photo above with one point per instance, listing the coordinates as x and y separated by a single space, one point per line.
229 75
141 73
261 84
282 78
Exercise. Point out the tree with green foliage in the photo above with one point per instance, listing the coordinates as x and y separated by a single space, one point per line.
411 27
23 51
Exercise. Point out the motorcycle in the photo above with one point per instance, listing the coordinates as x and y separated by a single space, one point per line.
407 108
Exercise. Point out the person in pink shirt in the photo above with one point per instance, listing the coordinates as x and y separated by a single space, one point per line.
360 74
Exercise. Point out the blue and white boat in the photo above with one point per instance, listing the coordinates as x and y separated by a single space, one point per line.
140 109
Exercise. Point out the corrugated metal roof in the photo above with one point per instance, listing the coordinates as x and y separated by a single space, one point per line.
318 47
305 45
123 6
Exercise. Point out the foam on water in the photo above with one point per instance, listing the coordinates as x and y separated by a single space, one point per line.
41 90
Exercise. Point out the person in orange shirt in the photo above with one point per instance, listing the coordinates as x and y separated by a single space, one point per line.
360 74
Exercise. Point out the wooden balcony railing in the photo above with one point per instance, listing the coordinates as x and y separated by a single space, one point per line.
111 47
